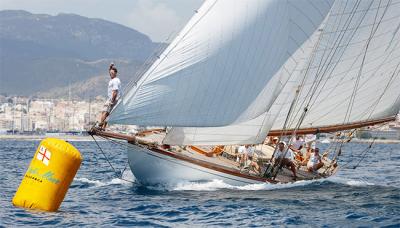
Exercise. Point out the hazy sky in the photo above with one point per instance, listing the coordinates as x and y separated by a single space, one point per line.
156 18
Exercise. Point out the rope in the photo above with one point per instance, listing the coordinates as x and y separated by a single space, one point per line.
373 31
362 154
369 148
117 173
320 75
354 92
272 169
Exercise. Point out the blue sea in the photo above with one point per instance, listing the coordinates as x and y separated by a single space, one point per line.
367 196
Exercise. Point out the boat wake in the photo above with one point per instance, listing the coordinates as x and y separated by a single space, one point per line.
350 182
98 183
127 179
215 185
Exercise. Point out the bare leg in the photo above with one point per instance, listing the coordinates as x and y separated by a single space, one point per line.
256 167
241 159
103 123
318 166
315 167
293 168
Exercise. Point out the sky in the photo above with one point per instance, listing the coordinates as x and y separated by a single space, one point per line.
156 18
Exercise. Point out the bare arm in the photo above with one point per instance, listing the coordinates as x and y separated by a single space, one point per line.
294 149
114 96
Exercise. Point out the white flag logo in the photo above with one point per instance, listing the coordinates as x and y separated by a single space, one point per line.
43 155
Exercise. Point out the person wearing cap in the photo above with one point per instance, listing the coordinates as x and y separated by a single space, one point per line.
284 157
113 93
314 162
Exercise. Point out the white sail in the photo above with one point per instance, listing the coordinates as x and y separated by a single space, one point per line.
255 130
355 74
250 132
337 62
218 70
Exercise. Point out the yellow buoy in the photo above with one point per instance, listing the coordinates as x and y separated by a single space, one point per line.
49 176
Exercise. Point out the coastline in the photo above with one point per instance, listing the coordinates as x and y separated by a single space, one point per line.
380 141
89 138
71 138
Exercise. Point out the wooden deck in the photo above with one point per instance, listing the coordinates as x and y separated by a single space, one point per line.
226 161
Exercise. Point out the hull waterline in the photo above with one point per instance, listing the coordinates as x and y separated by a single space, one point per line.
152 168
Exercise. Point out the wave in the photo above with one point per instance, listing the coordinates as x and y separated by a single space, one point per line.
125 180
215 185
350 182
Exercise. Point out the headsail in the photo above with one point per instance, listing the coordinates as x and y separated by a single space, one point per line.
220 69
359 44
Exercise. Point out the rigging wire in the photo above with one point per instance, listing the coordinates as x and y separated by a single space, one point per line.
363 154
354 30
272 170
365 151
319 78
354 93
369 39
119 174
315 89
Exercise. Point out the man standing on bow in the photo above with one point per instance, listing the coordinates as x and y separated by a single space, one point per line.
113 93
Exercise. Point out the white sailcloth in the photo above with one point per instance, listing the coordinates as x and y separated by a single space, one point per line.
336 65
219 70
255 130
355 74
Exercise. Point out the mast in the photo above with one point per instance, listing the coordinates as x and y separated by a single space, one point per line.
229 57
244 88
332 128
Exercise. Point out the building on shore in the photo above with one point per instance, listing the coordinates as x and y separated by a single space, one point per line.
22 114
389 131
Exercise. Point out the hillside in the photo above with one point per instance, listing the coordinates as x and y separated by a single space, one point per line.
44 54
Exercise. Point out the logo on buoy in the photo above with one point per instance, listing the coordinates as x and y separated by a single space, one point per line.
44 155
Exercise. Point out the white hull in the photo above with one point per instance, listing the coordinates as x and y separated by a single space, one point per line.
152 168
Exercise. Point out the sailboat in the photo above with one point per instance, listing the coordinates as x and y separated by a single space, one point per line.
242 71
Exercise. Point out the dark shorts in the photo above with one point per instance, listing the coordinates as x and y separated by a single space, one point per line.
284 162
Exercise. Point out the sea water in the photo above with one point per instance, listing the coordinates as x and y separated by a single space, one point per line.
366 195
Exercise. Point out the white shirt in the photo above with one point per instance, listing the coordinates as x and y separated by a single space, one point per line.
279 154
297 143
242 150
313 160
114 84
310 138
251 150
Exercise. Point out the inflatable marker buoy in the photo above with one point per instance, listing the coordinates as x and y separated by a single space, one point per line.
49 176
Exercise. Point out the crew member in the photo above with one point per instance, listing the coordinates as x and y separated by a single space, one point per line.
315 161
113 93
284 157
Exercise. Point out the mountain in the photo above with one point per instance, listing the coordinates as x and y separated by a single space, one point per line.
42 53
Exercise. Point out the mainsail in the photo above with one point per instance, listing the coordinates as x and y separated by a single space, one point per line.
254 130
220 69
352 76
